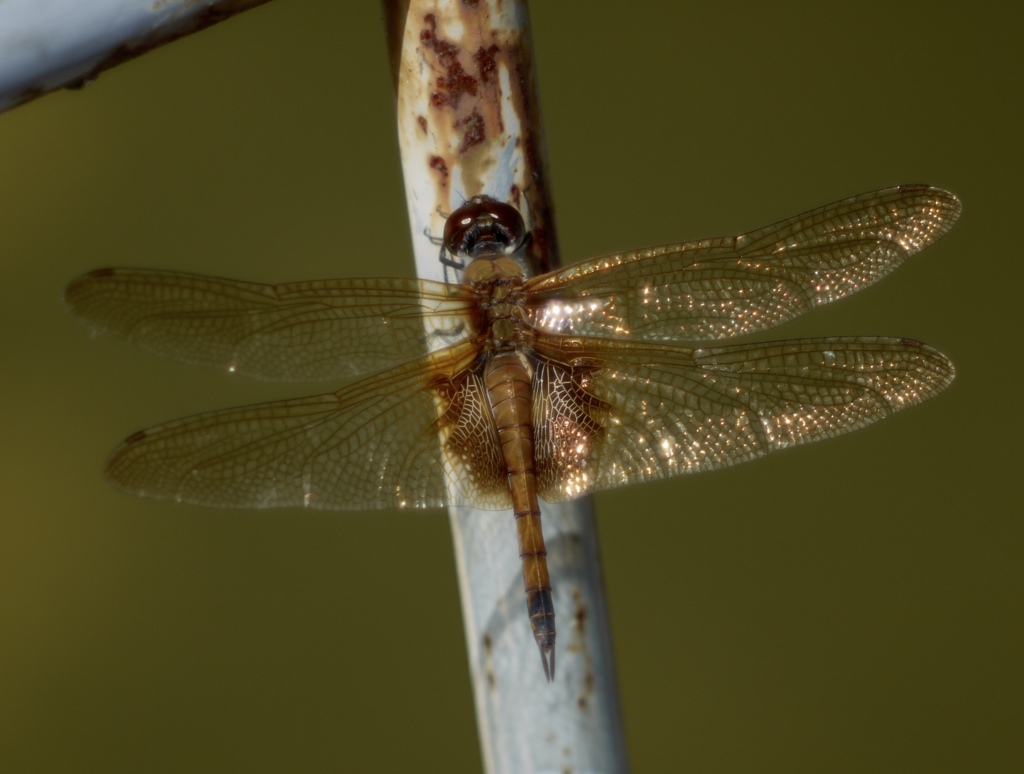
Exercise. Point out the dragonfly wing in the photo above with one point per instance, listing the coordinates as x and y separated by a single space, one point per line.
631 413
568 425
300 331
730 286
374 444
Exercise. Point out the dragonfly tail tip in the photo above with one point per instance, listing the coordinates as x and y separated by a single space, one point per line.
547 658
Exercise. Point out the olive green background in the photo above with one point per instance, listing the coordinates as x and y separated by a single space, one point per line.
849 606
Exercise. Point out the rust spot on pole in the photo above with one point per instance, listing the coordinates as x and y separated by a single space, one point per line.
473 131
581 618
437 164
488 648
454 83
486 63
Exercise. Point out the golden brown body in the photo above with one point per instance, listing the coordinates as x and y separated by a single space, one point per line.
509 391
508 379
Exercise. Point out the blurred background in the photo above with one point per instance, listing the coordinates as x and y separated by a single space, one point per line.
849 606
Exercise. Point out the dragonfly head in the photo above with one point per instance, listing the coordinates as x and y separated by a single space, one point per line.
484 228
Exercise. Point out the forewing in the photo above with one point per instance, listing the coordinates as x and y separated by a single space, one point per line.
641 413
719 288
374 444
300 331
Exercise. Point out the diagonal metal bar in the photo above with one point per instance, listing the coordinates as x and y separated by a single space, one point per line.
52 44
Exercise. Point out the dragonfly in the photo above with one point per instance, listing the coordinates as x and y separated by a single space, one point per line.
504 389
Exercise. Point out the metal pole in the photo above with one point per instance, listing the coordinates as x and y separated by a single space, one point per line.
67 43
469 124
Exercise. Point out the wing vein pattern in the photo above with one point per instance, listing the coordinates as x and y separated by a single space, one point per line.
616 415
372 444
299 331
730 286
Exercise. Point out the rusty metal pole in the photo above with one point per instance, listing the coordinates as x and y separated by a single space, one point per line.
468 124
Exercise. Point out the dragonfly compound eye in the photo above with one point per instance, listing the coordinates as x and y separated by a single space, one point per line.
484 227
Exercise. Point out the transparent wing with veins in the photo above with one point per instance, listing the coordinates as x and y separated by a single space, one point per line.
376 443
298 331
729 286
614 413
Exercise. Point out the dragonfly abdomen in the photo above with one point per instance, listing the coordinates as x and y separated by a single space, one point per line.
510 394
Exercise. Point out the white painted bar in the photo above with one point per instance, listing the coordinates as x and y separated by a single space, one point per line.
51 44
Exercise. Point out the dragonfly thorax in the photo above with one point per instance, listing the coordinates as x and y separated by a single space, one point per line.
494 272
